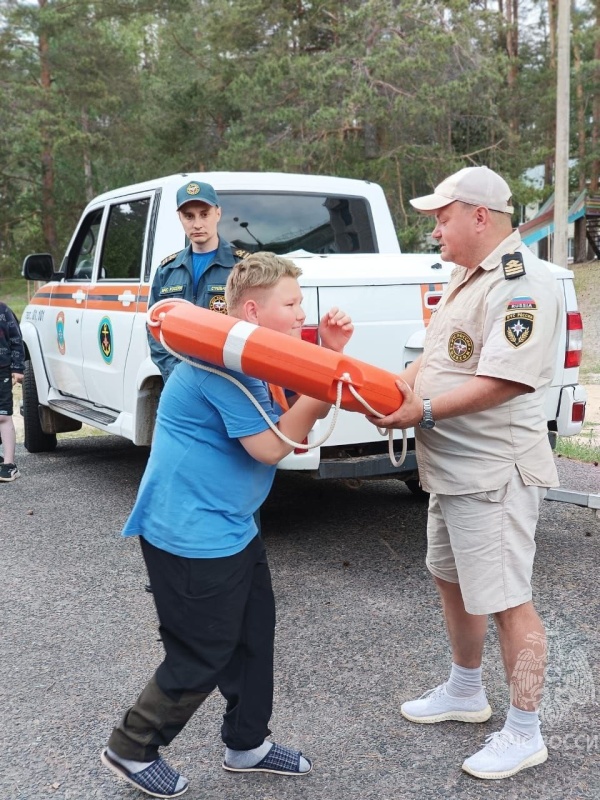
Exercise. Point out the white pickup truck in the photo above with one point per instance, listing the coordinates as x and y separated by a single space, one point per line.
85 328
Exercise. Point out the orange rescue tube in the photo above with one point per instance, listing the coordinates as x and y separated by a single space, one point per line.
274 357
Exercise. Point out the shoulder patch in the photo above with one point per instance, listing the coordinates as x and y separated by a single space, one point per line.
241 253
168 259
513 266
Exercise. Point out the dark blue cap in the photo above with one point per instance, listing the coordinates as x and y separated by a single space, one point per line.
195 190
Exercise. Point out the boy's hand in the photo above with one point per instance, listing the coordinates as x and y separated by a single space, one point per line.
335 329
17 377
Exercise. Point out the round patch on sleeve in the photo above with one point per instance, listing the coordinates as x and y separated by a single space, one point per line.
460 347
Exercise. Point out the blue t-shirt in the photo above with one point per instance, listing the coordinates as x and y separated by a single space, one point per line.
200 263
201 488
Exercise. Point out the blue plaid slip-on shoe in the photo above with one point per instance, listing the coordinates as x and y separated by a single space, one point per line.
157 780
279 760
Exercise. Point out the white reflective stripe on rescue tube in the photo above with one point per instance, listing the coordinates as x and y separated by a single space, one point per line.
233 348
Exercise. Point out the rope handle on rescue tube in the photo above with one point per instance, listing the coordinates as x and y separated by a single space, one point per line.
230 353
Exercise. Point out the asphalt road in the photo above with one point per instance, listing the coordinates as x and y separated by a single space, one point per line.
359 631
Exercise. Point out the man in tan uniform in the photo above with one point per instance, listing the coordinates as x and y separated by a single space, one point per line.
476 399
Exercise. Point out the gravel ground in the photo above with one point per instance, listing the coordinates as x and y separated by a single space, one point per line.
359 631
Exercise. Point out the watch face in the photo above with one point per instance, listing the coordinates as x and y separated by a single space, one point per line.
426 423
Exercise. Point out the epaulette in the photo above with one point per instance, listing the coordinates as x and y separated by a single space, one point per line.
168 259
513 266
241 253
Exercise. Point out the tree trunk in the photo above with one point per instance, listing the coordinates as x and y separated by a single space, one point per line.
47 157
595 166
87 161
580 102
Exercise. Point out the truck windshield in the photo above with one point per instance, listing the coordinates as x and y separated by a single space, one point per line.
284 223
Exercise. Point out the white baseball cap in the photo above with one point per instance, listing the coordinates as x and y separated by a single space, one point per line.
477 186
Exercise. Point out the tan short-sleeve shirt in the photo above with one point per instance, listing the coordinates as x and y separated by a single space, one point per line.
491 326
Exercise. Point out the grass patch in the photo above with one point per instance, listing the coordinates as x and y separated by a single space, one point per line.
15 292
585 447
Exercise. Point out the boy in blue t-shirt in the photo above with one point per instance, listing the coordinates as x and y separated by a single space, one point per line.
211 466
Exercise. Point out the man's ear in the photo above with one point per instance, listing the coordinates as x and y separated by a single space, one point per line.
482 215
251 311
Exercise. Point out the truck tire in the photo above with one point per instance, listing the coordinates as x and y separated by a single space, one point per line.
36 441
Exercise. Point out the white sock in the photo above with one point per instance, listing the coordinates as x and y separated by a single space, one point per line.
244 759
137 766
522 723
241 759
463 681
130 766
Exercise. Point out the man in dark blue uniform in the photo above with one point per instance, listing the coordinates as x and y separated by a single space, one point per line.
199 272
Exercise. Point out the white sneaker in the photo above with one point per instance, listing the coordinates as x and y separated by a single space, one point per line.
505 754
437 705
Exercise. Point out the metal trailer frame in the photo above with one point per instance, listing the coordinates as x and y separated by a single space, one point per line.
585 499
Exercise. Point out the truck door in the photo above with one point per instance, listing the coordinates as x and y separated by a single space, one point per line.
62 324
112 300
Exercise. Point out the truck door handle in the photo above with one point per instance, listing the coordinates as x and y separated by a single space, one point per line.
79 296
127 298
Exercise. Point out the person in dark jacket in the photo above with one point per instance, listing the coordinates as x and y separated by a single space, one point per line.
200 271
12 356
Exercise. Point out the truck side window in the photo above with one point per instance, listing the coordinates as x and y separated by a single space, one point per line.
80 260
124 241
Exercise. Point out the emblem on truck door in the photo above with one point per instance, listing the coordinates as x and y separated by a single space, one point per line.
60 332
106 339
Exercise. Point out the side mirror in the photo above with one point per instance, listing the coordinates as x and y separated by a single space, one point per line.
38 267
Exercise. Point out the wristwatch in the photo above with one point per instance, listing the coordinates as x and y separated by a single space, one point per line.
428 420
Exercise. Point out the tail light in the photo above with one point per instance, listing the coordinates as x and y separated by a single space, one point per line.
310 333
431 299
578 412
300 450
574 339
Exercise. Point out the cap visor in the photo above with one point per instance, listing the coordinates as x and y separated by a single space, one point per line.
431 202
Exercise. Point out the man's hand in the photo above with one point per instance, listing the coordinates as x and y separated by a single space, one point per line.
335 329
409 413
17 377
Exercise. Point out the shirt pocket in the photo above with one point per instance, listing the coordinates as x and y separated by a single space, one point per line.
462 342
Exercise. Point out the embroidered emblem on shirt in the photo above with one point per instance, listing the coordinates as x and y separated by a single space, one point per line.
217 303
513 266
460 347
518 327
522 303
170 290
216 289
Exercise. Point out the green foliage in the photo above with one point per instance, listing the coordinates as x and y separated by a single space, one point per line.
585 447
101 94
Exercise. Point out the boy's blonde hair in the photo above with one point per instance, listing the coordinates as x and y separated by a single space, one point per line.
256 271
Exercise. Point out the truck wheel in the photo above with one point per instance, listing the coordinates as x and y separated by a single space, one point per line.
36 441
414 486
